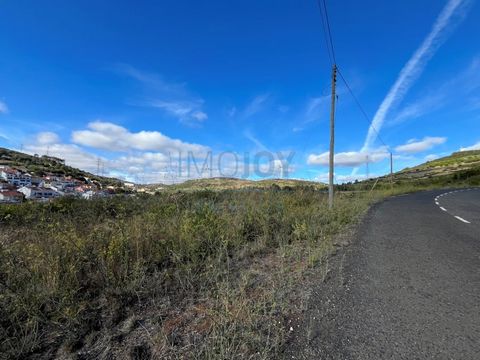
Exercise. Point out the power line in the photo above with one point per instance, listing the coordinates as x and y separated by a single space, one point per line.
329 31
326 31
357 102
331 53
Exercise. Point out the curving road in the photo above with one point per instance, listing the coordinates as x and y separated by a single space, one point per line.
407 288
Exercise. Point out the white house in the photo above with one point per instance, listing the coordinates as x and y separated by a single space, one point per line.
37 193
62 185
88 195
15 177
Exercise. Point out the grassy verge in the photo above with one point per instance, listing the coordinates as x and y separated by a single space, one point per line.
176 275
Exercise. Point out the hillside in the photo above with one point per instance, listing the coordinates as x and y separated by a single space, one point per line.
459 168
232 184
461 162
42 165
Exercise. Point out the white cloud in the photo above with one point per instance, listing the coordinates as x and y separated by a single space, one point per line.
3 108
350 158
137 166
256 105
151 157
414 146
108 136
47 138
454 9
473 147
74 155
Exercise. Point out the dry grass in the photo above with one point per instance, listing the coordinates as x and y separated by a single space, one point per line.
182 275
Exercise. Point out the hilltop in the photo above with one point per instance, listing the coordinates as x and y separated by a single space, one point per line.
44 165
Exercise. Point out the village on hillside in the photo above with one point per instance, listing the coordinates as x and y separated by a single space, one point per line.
18 185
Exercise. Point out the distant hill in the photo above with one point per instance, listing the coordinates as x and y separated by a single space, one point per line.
232 184
43 165
457 163
461 167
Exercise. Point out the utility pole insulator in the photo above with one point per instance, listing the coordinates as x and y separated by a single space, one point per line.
332 138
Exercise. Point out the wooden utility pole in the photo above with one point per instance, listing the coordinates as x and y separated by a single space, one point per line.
391 169
368 172
332 138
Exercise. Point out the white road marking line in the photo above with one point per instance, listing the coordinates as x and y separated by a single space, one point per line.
441 207
436 202
465 221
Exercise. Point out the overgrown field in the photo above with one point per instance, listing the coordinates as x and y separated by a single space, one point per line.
175 275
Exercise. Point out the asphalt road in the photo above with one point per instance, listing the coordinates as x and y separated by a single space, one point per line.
408 287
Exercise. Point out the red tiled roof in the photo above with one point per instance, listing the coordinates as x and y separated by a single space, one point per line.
11 193
9 170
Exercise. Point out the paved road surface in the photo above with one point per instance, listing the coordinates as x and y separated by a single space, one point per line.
407 288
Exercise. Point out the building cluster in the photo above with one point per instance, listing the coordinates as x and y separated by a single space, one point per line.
17 185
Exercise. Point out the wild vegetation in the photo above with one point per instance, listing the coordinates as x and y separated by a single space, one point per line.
180 274
176 275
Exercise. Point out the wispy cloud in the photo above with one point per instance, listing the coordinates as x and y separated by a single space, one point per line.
419 108
257 104
47 138
248 134
185 111
463 87
3 107
451 14
414 146
231 112
316 109
172 98
150 79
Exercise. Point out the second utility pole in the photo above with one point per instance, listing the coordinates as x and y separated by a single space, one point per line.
391 170
332 139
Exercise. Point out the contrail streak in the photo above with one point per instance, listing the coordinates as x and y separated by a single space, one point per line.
454 9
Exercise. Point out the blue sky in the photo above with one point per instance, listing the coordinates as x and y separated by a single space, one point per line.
226 85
